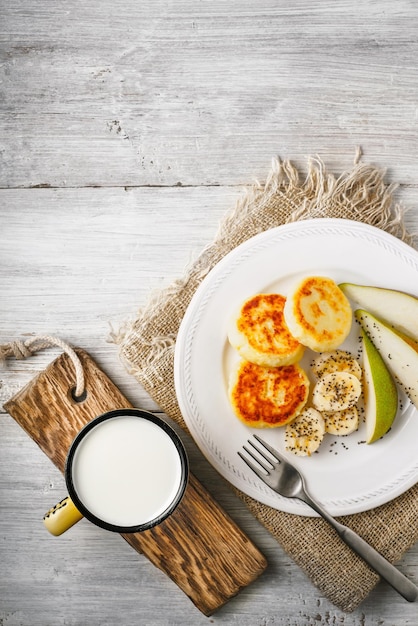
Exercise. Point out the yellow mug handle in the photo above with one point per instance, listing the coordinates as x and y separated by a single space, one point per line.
62 516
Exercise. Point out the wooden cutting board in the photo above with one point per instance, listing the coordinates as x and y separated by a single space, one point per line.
199 547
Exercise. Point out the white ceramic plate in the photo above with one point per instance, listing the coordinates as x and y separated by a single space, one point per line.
346 475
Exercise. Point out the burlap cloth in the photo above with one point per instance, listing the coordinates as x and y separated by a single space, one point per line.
147 349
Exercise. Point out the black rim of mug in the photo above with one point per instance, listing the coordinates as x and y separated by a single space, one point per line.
80 436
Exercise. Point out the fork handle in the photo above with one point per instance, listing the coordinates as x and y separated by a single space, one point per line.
386 570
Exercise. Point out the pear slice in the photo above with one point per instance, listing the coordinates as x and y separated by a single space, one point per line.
412 342
380 392
400 358
397 308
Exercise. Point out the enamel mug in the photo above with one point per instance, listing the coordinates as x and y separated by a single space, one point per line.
126 471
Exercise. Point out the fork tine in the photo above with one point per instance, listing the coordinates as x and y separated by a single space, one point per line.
272 451
256 458
262 454
251 465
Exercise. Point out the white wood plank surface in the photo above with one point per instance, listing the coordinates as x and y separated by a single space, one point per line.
127 130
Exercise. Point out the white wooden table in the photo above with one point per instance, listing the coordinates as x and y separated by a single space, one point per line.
128 129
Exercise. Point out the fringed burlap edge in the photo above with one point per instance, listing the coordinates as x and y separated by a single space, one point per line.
362 190
147 350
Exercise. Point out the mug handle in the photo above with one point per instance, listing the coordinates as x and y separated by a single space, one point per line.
62 516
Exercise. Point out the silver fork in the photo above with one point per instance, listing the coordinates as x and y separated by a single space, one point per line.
286 480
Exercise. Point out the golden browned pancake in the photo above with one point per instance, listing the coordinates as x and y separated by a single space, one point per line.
266 397
318 314
260 335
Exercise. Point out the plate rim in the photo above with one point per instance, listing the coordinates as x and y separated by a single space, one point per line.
344 227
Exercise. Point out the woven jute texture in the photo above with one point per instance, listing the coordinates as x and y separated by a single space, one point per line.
147 348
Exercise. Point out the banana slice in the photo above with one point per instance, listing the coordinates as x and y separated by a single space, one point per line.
336 361
304 435
341 422
336 392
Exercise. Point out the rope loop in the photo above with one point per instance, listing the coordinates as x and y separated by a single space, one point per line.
19 350
24 349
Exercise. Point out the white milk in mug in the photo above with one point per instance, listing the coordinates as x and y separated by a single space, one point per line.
126 471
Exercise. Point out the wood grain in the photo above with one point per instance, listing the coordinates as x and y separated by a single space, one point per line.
204 548
127 129
199 546
204 94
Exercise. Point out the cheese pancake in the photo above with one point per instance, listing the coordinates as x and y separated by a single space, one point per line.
260 335
318 314
266 397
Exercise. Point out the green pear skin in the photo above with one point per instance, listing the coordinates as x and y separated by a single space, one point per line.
380 392
400 358
396 308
